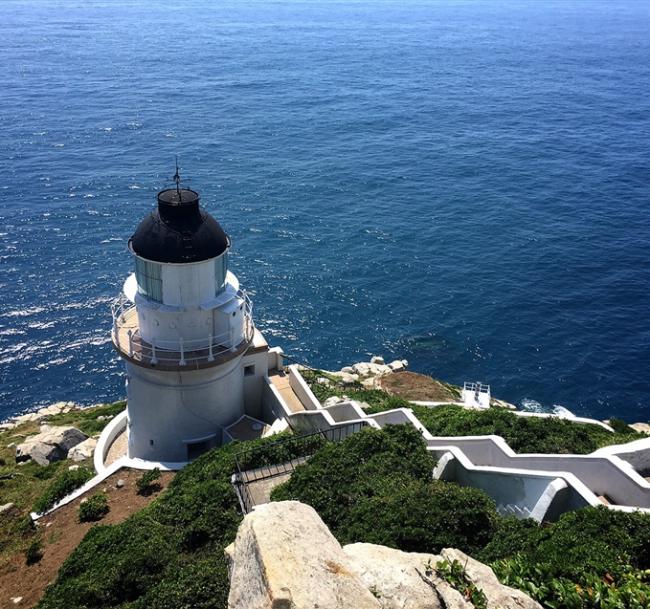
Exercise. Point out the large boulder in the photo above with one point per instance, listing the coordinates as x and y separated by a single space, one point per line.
284 557
83 450
403 580
498 596
50 445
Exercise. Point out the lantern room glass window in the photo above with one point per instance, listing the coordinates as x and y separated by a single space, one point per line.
149 277
220 271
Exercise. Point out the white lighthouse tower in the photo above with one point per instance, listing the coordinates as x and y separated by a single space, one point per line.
185 329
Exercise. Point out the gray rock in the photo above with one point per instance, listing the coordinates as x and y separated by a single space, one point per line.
362 368
377 359
332 401
641 427
403 580
7 510
50 445
73 468
284 557
83 450
120 483
347 370
27 418
482 576
397 365
16 599
349 379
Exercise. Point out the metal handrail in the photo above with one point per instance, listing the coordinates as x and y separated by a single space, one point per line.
249 471
480 387
182 351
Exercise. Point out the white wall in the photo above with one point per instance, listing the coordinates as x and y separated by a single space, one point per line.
302 390
188 285
166 409
254 384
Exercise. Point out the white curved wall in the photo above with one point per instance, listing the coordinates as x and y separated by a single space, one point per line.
167 410
221 315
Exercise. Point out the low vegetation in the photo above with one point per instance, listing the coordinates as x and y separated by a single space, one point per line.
365 489
454 574
24 484
63 484
592 558
34 551
523 434
170 554
375 486
148 483
94 508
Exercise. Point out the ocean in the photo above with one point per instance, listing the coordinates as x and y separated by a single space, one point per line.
464 184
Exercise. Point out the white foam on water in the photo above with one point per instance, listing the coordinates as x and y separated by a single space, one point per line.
530 405
562 412
24 312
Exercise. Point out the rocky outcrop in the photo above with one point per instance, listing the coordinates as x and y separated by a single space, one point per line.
284 557
641 427
39 415
403 580
83 450
52 444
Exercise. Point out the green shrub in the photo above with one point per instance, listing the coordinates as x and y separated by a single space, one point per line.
590 556
170 553
34 552
198 584
94 508
523 434
149 483
62 485
367 489
620 426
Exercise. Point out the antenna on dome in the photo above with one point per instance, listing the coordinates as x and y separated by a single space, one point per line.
177 179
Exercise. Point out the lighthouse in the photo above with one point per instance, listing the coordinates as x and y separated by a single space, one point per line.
184 327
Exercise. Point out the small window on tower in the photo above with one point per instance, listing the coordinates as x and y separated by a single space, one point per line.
149 277
220 271
249 370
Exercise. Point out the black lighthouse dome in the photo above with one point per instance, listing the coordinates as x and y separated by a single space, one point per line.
179 230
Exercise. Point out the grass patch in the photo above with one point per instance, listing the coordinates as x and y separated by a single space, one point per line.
523 434
170 554
94 508
23 484
86 419
66 482
148 483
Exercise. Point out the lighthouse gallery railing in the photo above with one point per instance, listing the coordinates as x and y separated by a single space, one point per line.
127 338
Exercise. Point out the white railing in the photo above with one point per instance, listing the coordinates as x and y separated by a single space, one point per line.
477 387
127 338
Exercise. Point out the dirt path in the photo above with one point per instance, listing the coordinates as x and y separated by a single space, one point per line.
418 387
62 532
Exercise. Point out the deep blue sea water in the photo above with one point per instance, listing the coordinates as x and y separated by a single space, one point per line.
464 184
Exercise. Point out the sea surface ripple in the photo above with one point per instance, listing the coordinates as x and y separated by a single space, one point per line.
463 184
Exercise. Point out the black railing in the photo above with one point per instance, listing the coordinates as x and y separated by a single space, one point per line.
281 457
